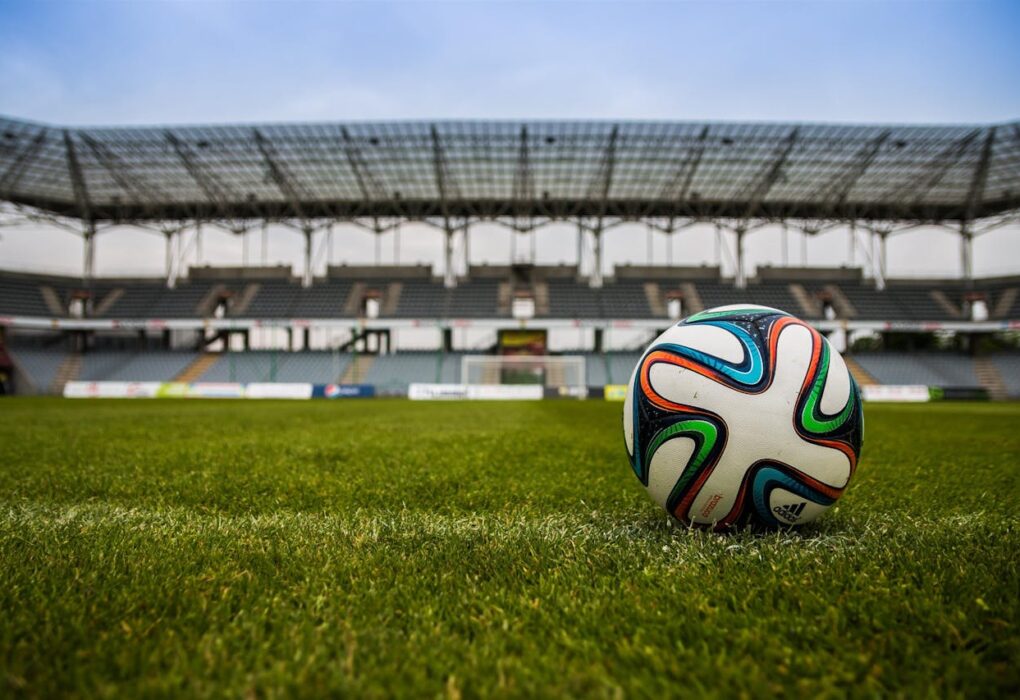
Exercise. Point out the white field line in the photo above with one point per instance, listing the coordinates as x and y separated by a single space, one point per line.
366 527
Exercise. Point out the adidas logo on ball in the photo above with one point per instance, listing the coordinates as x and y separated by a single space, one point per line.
790 512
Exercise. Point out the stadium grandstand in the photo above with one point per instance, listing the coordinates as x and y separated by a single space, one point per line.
274 324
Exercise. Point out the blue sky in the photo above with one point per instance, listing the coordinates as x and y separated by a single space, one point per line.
142 62
192 62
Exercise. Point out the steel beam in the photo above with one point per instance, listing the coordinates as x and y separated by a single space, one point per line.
288 187
602 186
217 194
439 171
523 193
603 183
442 186
836 191
976 191
939 166
131 183
368 185
679 186
78 183
767 178
9 180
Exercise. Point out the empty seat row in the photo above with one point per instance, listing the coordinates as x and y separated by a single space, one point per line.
315 367
126 366
430 299
929 369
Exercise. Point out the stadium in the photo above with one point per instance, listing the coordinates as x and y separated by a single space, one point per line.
509 350
267 324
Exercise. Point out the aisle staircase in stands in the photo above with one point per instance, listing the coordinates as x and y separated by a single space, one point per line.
198 367
809 306
859 373
68 371
357 369
989 377
692 299
1005 302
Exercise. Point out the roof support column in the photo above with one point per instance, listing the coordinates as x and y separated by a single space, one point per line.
396 243
785 241
198 243
669 246
878 258
449 276
306 278
171 278
596 273
739 277
329 245
265 243
89 252
467 246
851 252
648 244
580 247
718 246
883 258
966 253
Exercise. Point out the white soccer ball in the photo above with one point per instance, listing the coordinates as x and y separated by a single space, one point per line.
743 415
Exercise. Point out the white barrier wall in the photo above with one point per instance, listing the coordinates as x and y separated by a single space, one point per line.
112 390
178 390
436 392
506 392
895 392
480 392
418 392
282 390
216 390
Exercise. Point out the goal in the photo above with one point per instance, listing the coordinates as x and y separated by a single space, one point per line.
551 371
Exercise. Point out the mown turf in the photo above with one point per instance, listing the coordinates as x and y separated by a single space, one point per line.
393 548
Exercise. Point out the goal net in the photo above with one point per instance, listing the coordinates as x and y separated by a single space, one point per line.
566 371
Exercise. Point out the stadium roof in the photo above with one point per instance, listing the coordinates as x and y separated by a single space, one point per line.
513 169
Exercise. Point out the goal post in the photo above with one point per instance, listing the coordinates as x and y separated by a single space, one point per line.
550 371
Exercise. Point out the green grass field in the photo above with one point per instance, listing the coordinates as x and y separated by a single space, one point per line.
380 548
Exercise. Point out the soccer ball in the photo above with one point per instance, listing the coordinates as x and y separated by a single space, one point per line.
743 415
